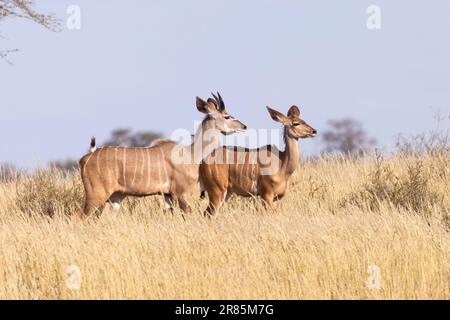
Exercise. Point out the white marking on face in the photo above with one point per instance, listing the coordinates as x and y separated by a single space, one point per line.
227 129
141 168
116 206
108 171
158 164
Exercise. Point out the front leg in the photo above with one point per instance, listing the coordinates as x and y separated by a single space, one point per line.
183 202
216 198
184 205
268 198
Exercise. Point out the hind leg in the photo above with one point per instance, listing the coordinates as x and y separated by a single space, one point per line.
113 205
268 201
184 204
168 203
92 204
279 206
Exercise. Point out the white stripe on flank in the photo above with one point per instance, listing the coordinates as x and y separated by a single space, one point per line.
149 161
142 179
135 166
116 175
166 176
87 160
141 169
124 167
158 163
98 162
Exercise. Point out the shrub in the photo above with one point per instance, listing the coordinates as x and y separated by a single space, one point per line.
408 190
48 192
433 142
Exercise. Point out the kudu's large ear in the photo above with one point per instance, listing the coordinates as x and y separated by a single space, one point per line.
278 116
294 111
202 105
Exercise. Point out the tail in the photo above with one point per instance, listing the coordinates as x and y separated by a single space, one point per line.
93 146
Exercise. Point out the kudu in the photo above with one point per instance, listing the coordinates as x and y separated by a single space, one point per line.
263 172
166 168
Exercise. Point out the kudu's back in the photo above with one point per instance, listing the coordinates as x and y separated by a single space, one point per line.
133 171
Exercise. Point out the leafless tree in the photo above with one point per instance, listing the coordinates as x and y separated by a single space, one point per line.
125 137
24 9
346 136
68 165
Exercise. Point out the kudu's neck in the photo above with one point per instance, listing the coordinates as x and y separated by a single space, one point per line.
206 140
291 157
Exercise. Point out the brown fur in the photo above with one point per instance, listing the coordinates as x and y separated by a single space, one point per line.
264 172
110 174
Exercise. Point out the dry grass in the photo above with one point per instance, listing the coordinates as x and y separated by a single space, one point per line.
340 217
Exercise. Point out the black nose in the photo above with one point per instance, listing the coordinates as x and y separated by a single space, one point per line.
314 131
245 127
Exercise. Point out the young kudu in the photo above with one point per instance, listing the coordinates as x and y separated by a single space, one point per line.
261 172
166 168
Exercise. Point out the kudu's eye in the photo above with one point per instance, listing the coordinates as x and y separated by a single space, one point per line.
295 124
227 117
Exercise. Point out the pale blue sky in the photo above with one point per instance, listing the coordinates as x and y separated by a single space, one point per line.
140 64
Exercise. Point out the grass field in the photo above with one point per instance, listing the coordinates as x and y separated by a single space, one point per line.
341 217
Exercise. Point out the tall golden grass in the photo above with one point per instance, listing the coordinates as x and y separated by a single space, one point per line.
340 217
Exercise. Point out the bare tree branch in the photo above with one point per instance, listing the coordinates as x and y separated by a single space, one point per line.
23 9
